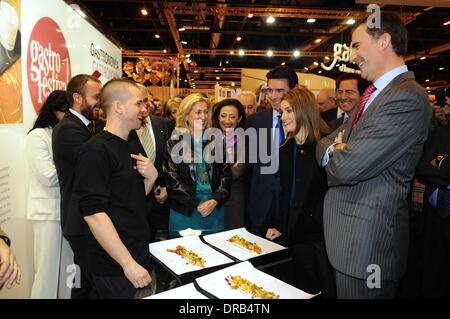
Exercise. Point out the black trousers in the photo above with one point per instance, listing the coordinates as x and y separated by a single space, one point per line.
436 276
86 290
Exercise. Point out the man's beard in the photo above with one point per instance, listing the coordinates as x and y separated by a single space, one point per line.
88 112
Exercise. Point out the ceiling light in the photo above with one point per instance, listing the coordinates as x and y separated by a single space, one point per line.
428 87
441 69
241 52
238 38
306 68
226 62
311 20
283 63
185 80
316 63
144 12
319 72
447 23
318 40
182 29
157 36
232 52
423 58
427 80
351 21
233 84
183 42
270 53
270 20
195 71
218 78
296 53
188 55
217 71
224 69
165 51
250 15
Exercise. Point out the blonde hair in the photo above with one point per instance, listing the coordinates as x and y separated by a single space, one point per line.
307 116
186 107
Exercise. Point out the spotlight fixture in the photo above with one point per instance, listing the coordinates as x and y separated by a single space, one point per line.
157 36
270 20
238 38
144 12
311 20
241 52
351 21
296 53
269 53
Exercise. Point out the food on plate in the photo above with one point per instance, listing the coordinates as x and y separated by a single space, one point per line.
253 247
248 287
189 255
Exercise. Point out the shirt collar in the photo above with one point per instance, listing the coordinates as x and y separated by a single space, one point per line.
386 78
80 116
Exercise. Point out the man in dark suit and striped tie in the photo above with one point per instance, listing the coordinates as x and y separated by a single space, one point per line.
370 166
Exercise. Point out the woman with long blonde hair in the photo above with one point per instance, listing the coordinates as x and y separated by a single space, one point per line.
197 188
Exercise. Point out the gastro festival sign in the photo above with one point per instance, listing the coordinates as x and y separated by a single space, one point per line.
48 62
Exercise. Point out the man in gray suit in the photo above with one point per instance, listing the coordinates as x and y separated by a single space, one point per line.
370 163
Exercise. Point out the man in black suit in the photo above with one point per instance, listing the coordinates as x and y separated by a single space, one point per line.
77 127
150 140
265 187
434 170
350 88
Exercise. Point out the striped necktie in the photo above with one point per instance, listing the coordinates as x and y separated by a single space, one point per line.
147 143
362 104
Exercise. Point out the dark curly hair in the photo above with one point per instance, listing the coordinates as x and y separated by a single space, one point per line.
227 102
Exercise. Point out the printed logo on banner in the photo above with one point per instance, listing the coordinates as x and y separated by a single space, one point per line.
48 62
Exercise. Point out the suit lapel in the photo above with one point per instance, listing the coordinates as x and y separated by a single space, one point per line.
379 100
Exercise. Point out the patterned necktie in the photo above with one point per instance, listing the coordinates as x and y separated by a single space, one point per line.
91 127
280 131
366 96
147 143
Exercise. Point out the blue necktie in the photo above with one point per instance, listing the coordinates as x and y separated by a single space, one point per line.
280 131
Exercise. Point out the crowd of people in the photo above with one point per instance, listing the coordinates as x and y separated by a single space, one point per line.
330 178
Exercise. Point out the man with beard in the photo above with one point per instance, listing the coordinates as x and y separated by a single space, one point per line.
76 128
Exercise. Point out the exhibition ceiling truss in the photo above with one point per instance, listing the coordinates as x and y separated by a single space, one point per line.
236 34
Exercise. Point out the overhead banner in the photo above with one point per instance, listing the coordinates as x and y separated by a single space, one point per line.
42 45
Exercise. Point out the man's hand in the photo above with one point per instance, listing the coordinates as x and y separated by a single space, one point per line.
272 233
9 269
162 197
206 208
435 161
145 167
339 138
137 275
339 146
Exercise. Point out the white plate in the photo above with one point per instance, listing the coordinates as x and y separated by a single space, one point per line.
180 265
220 240
216 284
183 292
